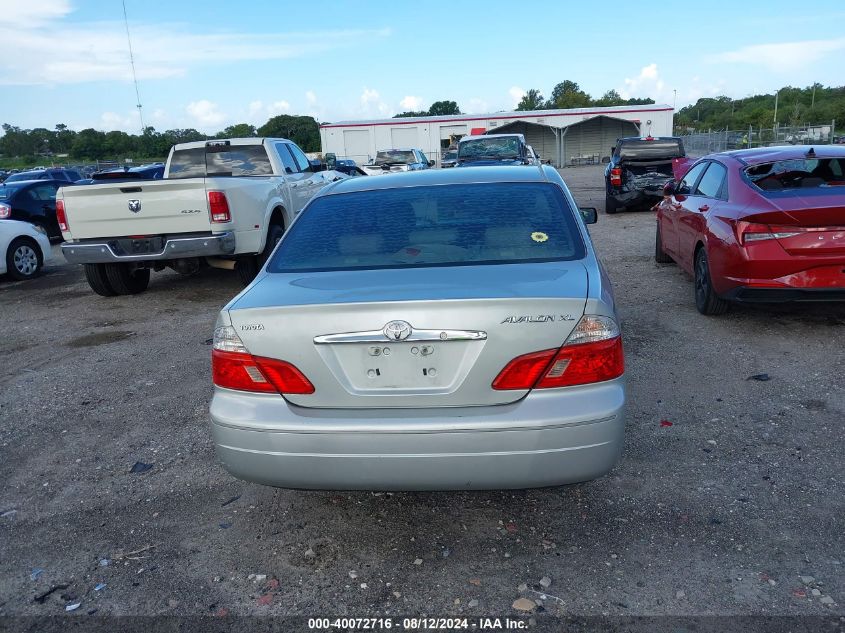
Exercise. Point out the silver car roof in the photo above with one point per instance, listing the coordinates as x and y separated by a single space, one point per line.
430 177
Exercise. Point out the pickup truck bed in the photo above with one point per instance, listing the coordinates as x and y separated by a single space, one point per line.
638 170
223 203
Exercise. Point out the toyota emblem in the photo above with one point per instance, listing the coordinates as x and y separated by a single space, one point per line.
397 330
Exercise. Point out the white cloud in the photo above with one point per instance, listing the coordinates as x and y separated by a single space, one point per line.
113 121
516 93
19 13
310 97
372 104
647 84
205 113
97 51
782 57
278 107
477 106
255 108
411 103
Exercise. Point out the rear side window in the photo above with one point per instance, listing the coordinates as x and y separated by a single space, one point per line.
447 225
799 174
235 160
712 181
286 158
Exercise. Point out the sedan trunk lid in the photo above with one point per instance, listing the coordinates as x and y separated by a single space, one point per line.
347 331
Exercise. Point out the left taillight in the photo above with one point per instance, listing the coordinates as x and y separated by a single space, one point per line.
616 176
592 353
218 207
61 216
5 211
233 367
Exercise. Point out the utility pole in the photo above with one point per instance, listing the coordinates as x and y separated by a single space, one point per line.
775 119
813 102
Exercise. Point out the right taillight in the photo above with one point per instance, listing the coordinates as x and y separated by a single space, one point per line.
592 353
749 232
61 216
233 367
218 207
616 176
5 211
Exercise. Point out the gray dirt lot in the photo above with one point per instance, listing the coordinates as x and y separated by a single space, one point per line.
720 513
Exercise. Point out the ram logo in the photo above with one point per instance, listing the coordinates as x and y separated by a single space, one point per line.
135 205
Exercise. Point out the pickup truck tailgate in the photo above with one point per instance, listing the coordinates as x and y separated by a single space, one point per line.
144 208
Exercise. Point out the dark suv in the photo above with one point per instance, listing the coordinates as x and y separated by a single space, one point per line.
67 175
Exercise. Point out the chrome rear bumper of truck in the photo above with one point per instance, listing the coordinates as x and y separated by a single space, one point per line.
174 247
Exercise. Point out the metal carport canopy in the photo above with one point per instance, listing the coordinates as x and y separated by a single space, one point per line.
607 130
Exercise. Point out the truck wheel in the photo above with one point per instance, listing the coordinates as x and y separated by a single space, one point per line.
23 259
248 267
95 274
610 206
127 281
660 255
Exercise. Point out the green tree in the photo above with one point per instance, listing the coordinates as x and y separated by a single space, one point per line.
302 130
443 108
610 98
64 139
410 113
16 142
531 100
568 94
239 130
89 143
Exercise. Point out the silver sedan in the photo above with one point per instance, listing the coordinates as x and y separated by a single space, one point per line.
445 329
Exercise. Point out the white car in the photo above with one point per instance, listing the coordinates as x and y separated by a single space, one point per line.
24 249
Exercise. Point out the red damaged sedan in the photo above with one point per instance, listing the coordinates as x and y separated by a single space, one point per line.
758 225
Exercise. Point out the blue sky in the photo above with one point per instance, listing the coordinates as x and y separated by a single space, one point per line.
210 64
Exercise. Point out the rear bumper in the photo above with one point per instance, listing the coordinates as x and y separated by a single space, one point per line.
744 294
557 437
175 247
636 197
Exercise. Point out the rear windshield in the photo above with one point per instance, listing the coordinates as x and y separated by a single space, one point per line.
447 225
798 174
236 160
395 157
7 191
643 149
490 148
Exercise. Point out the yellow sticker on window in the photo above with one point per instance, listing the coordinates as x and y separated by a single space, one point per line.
539 236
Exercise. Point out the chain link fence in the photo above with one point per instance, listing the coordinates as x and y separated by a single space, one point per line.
701 143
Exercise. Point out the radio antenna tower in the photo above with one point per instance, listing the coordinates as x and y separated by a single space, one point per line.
132 63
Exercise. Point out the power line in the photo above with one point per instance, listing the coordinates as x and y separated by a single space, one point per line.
132 63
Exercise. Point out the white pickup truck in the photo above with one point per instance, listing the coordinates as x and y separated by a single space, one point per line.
223 203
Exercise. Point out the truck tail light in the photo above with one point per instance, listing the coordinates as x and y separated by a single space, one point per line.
233 367
748 232
616 176
5 211
61 216
218 207
592 353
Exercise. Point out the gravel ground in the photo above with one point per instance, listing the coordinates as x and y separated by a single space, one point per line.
736 507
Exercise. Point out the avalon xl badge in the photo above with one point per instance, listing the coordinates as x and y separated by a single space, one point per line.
135 205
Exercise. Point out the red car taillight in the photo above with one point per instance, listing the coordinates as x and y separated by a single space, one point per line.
61 216
593 353
245 372
615 176
218 207
748 232
5 211
233 367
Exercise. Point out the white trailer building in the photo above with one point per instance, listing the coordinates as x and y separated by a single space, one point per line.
562 137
